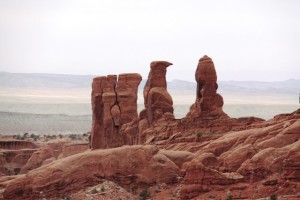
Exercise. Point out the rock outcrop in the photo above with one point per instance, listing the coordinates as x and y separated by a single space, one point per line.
208 102
157 100
16 144
115 120
114 103
147 165
73 148
14 154
12 161
209 166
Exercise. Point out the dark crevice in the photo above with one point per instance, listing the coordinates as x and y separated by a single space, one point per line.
116 103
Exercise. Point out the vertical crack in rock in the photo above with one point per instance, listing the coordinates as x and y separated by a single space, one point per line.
114 104
115 110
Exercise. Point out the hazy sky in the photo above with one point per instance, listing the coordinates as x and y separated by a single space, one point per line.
248 40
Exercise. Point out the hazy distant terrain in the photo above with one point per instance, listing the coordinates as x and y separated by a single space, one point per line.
54 103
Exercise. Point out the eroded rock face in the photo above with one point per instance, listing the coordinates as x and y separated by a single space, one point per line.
71 149
214 165
146 165
11 161
208 101
157 100
114 103
16 144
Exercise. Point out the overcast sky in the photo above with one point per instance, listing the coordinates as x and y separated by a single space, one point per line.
247 40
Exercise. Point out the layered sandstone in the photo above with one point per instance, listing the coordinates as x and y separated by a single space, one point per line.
212 165
146 165
208 101
114 103
16 144
157 99
11 161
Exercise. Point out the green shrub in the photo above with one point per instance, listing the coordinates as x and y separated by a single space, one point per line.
19 137
68 197
73 136
34 136
199 135
145 194
25 135
94 191
273 197
229 197
134 188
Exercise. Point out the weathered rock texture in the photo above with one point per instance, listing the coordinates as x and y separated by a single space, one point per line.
11 161
146 165
73 148
248 164
157 100
114 103
208 101
16 144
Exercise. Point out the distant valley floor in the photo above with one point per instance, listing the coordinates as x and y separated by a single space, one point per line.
13 122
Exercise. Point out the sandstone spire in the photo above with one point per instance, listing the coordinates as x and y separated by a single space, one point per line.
157 99
114 103
208 101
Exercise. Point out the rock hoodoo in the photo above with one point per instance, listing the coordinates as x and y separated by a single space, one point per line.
114 103
208 101
157 99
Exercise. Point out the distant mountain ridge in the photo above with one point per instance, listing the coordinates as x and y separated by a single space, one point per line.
63 81
68 80
40 80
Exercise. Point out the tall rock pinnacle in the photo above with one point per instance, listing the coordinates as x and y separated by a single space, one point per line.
114 103
208 101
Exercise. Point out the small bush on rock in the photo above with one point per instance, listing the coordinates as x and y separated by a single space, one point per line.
273 197
145 194
229 197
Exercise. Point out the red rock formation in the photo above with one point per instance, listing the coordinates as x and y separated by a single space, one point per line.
16 144
71 149
116 127
252 163
37 158
157 100
127 89
11 161
208 101
113 104
14 154
146 165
